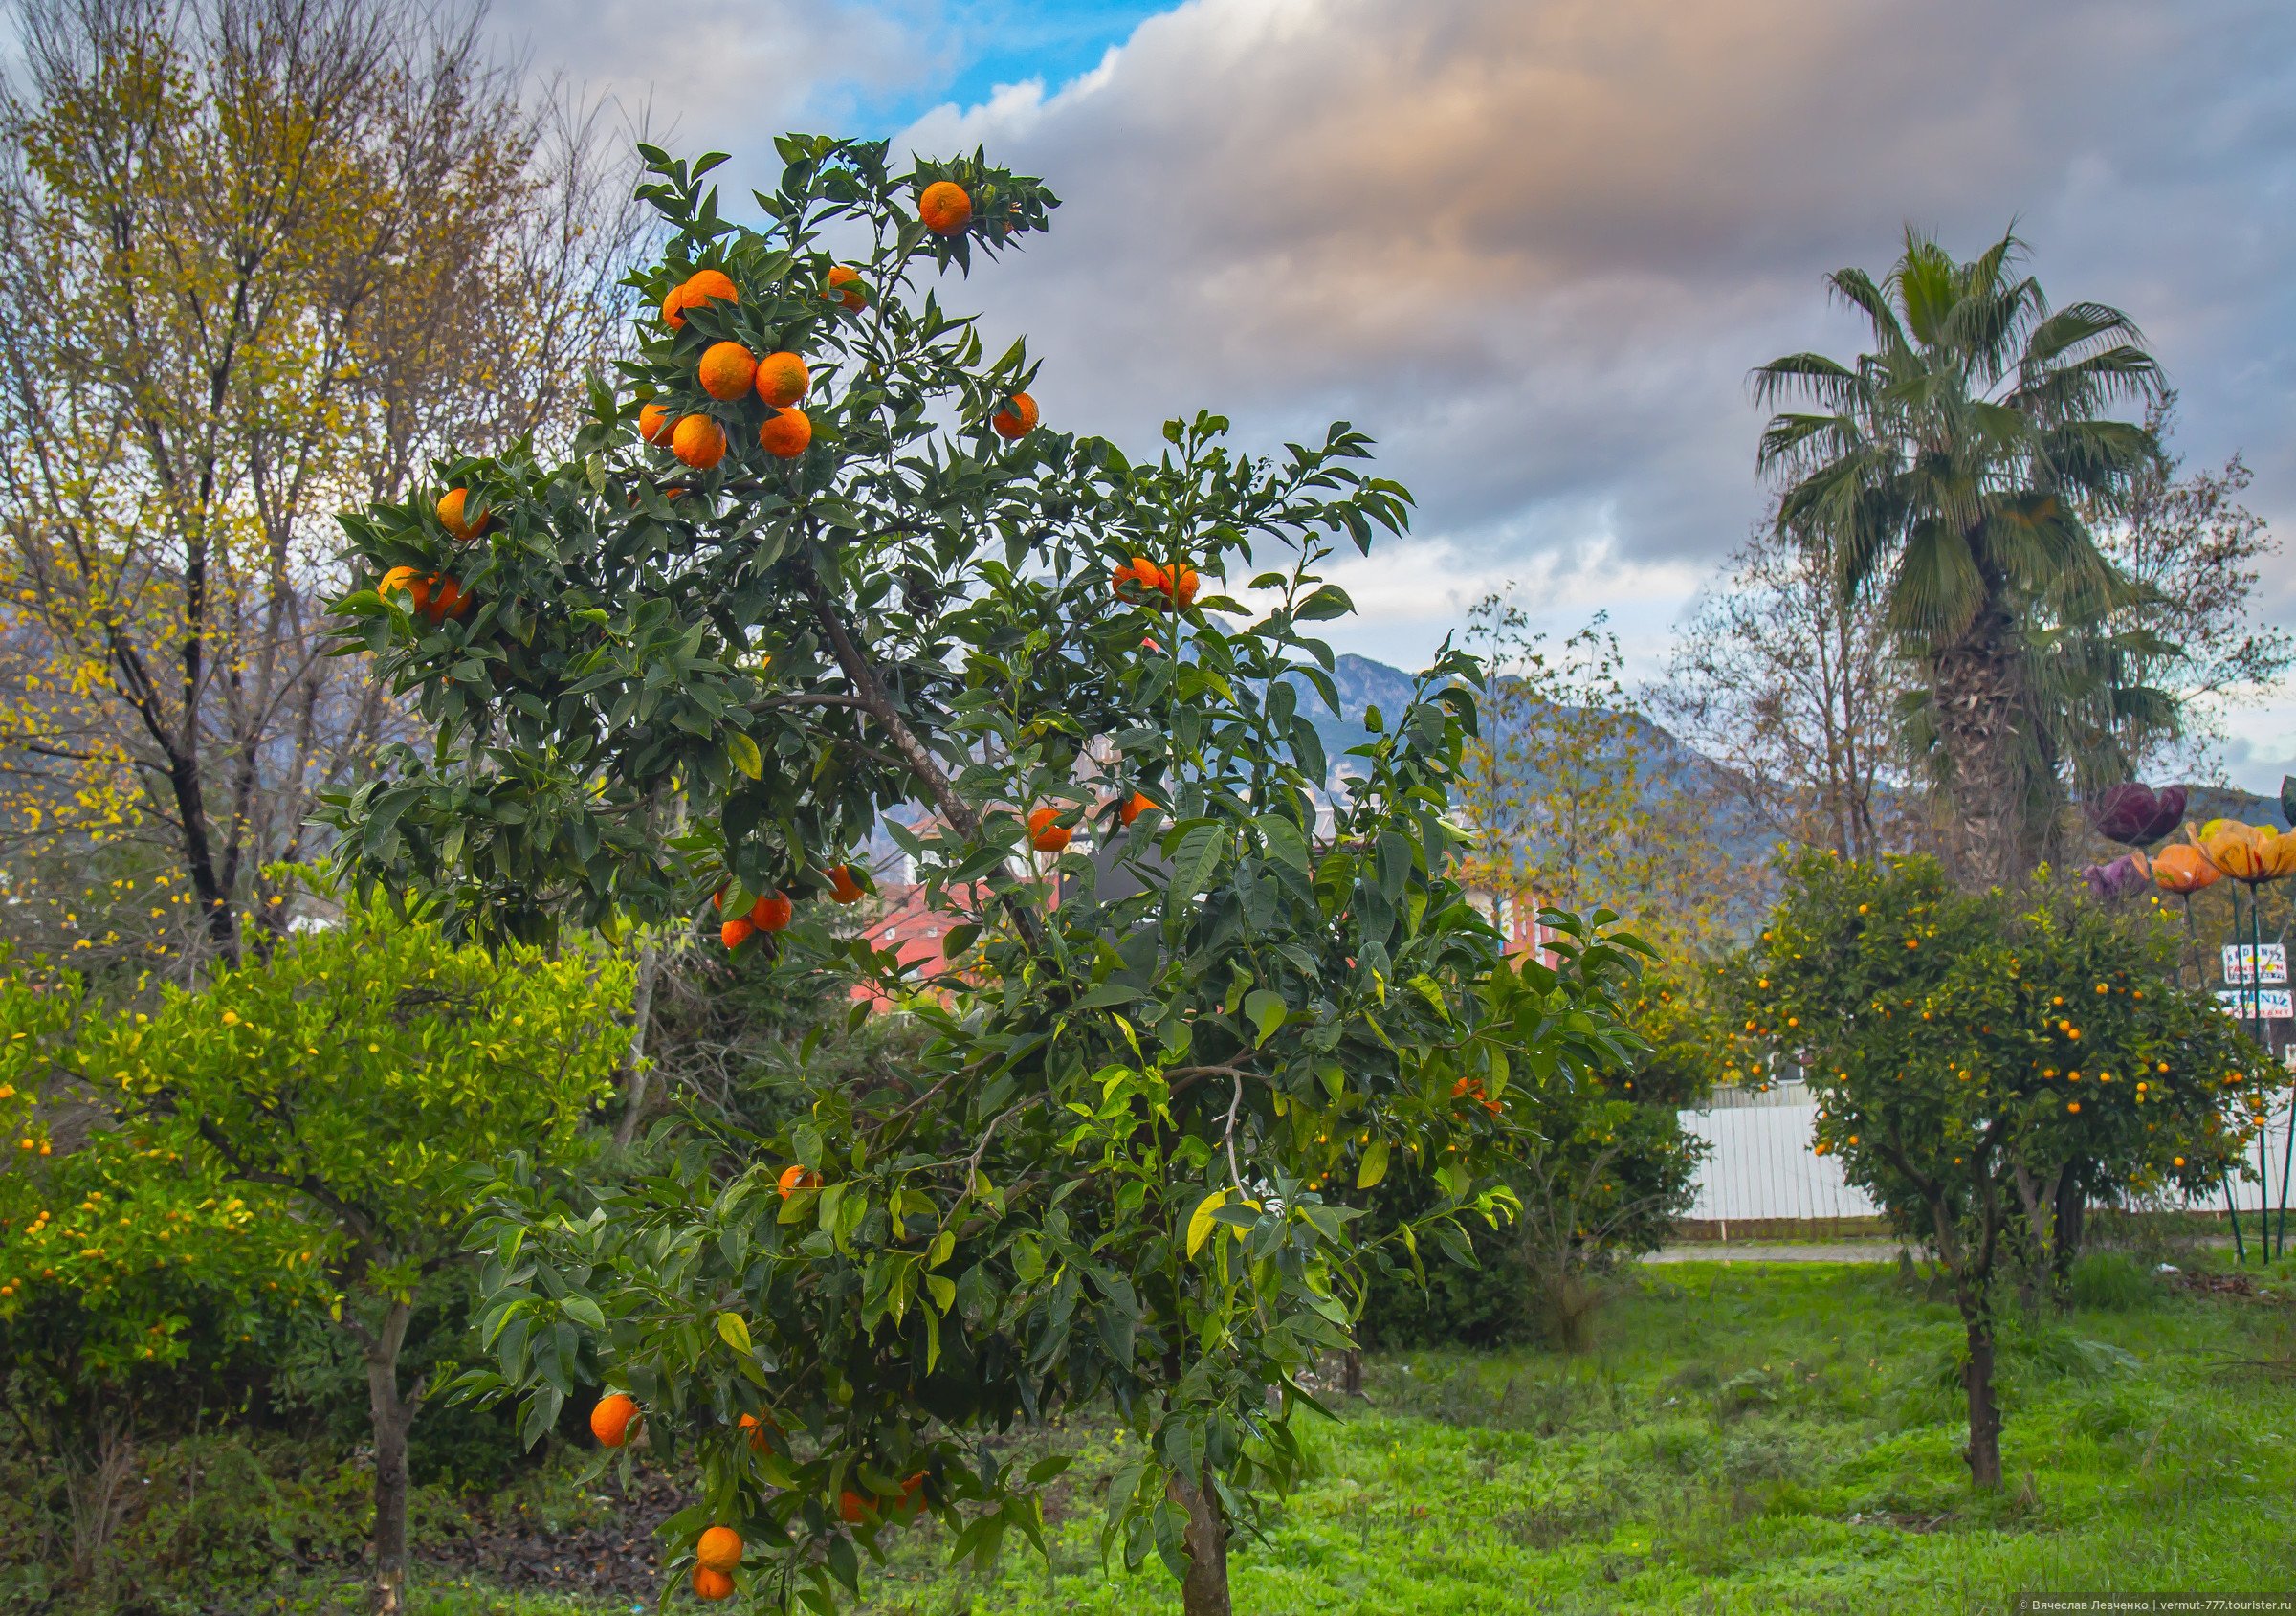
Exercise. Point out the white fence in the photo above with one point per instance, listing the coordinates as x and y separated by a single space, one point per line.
1760 1164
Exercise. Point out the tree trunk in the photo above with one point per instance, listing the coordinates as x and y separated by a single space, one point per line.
641 1011
1984 1414
2072 1213
392 1414
96 1478
1997 810
1203 1590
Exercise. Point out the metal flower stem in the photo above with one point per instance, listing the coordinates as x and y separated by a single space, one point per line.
2232 1211
2263 1089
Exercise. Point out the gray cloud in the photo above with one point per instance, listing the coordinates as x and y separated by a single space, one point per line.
1535 246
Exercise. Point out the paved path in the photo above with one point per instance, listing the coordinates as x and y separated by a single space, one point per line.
1754 1251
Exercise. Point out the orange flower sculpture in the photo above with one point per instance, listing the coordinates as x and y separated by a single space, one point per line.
2184 869
2254 853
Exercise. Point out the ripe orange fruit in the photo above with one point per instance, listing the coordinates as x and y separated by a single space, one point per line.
718 900
843 888
853 1509
736 932
1017 419
944 208
450 507
655 423
1133 806
612 1418
712 1585
756 1430
795 1178
771 913
913 1493
673 307
1044 834
704 285
1182 587
719 1549
698 441
846 278
785 434
782 378
726 371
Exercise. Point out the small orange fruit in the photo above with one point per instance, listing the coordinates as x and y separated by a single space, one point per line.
782 378
756 1430
853 1509
719 1548
1182 586
1017 419
843 888
736 932
845 288
673 307
612 1417
726 371
944 208
704 285
1045 834
712 1585
771 912
1133 806
450 507
795 1178
655 423
785 434
698 441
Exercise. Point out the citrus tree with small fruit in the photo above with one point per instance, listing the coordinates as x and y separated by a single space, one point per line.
1969 1050
819 557
302 1133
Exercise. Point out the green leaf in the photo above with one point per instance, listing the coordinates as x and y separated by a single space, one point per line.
744 754
1266 1010
583 1311
734 1330
1375 1165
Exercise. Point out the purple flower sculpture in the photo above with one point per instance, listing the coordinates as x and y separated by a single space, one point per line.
2135 815
2123 878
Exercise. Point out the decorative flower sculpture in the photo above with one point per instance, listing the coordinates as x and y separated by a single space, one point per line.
2135 815
2184 869
2123 877
2254 853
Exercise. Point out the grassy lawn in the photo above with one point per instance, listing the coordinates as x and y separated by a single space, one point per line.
1745 1439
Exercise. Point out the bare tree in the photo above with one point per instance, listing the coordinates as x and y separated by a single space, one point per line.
1786 678
259 259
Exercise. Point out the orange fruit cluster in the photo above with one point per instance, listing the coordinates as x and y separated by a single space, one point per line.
431 596
1177 583
770 912
701 287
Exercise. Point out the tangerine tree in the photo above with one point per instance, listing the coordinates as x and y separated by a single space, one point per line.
871 576
1969 1051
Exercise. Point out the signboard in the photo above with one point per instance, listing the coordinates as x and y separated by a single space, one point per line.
2270 1002
2239 959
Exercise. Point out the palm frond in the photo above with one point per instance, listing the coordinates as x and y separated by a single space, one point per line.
1938 591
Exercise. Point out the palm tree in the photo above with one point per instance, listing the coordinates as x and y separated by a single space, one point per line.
1948 470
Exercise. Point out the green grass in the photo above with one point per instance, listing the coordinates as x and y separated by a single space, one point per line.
1745 1439
1755 1440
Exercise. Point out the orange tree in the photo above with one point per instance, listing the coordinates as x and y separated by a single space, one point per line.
300 1134
1968 1051
1098 1185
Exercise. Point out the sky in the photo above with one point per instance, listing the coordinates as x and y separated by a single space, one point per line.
1534 247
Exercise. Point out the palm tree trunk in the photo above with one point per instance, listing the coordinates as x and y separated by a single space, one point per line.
1995 807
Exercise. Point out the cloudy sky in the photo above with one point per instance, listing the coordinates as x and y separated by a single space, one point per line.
1535 246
